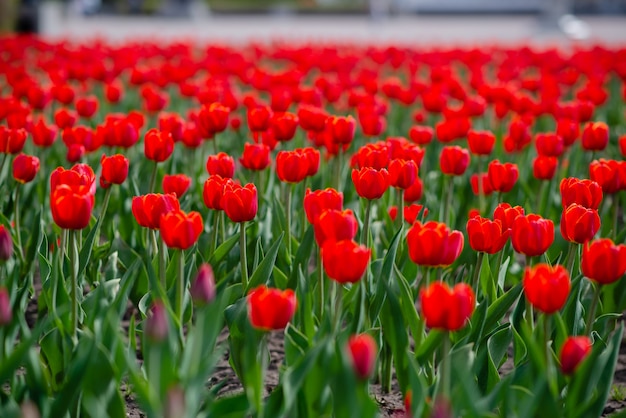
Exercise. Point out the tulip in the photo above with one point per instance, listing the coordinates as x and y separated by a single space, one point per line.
271 309
370 183
402 173
342 129
221 164
114 169
240 203
203 288
544 167
65 118
502 176
595 136
446 308
6 312
603 261
25 168
481 142
549 145
362 349
6 244
149 208
318 201
421 135
345 261
43 135
568 129
259 118
283 126
87 106
546 287
376 156
486 235
584 192
78 175
434 244
176 184
158 146
213 191
255 156
454 160
414 192
312 118
622 145
579 224
71 206
157 325
212 119
292 166
179 229
607 174
12 140
485 184
532 235
172 123
573 352
411 213
335 225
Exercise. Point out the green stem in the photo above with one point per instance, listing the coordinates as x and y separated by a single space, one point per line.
542 196
592 309
162 264
215 147
400 216
445 367
2 162
571 257
479 263
499 264
386 362
290 188
615 216
338 163
73 283
153 178
18 235
320 286
180 289
243 256
338 306
216 224
366 223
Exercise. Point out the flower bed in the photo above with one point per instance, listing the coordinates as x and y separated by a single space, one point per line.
446 223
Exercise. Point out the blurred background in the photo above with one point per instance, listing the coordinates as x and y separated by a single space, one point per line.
373 20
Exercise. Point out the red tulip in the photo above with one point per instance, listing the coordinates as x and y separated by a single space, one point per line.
65 118
292 166
362 349
434 244
43 135
421 135
342 129
312 118
318 201
402 173
71 206
176 184
179 229
12 140
567 129
502 176
114 169
544 167
484 183
549 144
579 224
481 142
532 235
25 168
87 106
546 287
212 119
486 235
255 156
335 225
345 261
603 261
411 213
240 203
6 312
607 174
414 192
446 308
595 136
172 123
259 118
149 208
370 183
376 155
622 145
585 192
283 126
573 352
158 146
78 175
6 244
454 160
214 190
222 165
271 309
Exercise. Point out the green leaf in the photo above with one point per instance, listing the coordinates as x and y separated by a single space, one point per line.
303 255
223 249
85 252
262 274
384 275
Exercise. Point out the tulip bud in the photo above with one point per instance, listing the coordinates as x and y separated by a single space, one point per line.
6 244
363 350
6 315
174 403
157 327
574 351
203 288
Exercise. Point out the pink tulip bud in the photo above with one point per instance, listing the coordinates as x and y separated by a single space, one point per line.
203 288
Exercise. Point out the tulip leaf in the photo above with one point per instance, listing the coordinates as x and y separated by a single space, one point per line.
294 377
34 243
501 306
222 250
303 256
229 407
504 267
430 344
384 274
85 252
262 273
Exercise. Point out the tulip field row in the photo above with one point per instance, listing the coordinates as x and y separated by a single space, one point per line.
408 217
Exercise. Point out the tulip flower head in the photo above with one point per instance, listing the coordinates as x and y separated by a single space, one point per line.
446 308
433 244
573 352
546 287
363 349
603 261
271 309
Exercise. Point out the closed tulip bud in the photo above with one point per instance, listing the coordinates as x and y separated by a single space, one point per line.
87 106
486 235
240 203
292 166
345 261
342 129
584 192
532 235
434 244
546 287
221 164
573 352
318 201
579 224
75 153
64 118
6 313
181 230
569 130
158 146
25 168
603 261
271 309
255 156
363 349
259 118
370 183
157 326
482 180
6 244
445 308
544 167
43 135
595 136
502 176
481 142
454 160
402 173
12 140
176 184
114 169
203 287
283 126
